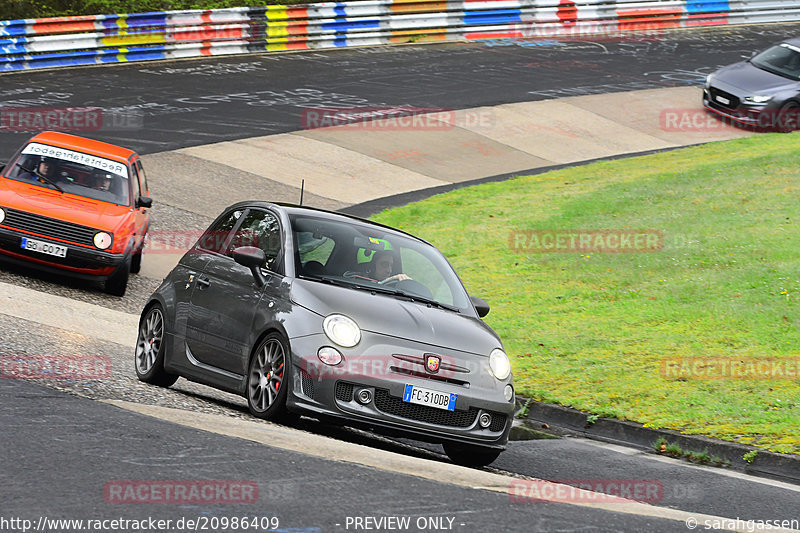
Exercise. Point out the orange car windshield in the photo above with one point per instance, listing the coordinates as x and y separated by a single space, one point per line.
72 172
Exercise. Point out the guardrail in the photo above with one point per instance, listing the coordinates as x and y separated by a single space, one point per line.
97 39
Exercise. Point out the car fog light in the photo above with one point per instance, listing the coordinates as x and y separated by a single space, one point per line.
364 396
2 216
329 356
102 240
508 392
341 330
485 420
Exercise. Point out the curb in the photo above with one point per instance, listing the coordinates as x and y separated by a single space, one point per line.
566 421
375 206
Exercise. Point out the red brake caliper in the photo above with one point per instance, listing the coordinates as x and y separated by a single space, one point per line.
280 375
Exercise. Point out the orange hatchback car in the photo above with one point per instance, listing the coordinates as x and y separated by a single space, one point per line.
75 206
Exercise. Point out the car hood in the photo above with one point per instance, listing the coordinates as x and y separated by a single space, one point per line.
68 207
751 79
387 315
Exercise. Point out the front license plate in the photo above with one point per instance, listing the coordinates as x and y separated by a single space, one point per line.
431 398
44 247
723 100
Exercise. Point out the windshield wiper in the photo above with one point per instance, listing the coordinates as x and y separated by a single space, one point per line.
412 297
382 290
41 177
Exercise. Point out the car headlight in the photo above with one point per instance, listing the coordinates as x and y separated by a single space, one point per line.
102 240
708 81
499 365
758 99
2 215
341 330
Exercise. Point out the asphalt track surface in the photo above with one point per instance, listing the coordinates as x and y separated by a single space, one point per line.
168 105
191 103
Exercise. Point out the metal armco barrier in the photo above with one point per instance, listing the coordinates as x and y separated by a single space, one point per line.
97 39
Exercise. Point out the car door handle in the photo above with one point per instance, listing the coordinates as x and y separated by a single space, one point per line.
203 282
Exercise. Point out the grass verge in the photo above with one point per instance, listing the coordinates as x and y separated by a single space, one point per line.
603 332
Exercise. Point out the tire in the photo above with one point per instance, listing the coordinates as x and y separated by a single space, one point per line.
118 281
470 455
788 117
269 379
150 349
136 262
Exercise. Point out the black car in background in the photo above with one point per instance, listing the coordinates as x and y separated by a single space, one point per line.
763 91
304 311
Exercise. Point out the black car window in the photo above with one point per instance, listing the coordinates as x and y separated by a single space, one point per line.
783 59
349 253
314 251
216 236
260 229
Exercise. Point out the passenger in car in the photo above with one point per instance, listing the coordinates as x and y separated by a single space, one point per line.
102 182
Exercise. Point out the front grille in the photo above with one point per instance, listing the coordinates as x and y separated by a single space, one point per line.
307 384
344 391
426 375
734 100
422 413
49 227
498 422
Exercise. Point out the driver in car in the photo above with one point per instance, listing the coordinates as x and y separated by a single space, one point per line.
45 168
381 267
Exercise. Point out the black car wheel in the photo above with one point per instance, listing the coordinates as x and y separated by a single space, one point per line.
118 281
268 378
150 348
788 117
470 455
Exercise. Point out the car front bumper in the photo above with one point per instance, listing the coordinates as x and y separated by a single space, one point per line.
80 262
332 392
764 115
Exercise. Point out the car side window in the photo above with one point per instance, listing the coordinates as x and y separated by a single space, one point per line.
260 229
215 237
315 249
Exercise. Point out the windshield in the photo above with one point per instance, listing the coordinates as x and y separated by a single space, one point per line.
362 256
783 60
72 172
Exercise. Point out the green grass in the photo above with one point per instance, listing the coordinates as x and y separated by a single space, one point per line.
591 330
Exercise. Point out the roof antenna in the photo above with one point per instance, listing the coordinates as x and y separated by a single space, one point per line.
302 186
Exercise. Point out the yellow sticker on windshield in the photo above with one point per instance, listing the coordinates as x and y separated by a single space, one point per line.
373 240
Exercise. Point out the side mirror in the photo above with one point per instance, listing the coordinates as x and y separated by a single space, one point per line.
480 306
144 201
252 258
